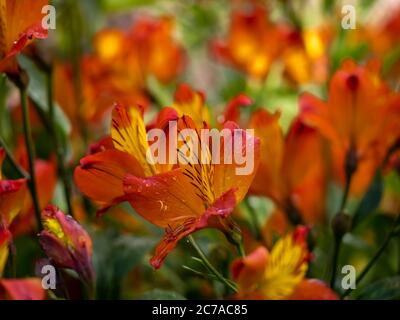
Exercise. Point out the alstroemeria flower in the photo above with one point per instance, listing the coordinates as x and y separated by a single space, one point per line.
253 42
280 273
287 170
5 237
383 31
211 191
119 67
22 289
305 55
361 119
20 22
67 243
12 195
191 103
46 181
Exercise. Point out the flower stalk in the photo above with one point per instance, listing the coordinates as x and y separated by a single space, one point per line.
209 266
30 150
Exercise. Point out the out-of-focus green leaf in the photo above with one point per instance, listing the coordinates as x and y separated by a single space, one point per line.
4 120
37 92
201 18
114 257
158 294
386 289
371 199
116 5
341 49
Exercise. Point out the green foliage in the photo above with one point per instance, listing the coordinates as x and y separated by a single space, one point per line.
385 289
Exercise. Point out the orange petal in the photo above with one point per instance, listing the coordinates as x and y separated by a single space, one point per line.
249 271
129 135
17 29
12 195
313 289
160 200
220 209
22 289
100 176
191 103
314 112
268 180
303 174
236 175
5 237
232 110
286 266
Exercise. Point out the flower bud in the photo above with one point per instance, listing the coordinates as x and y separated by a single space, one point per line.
66 242
341 224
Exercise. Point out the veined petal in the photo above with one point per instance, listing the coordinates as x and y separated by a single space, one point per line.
242 147
100 175
160 199
212 217
129 135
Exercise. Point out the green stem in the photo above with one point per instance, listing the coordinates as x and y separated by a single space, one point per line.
335 258
59 151
338 238
76 55
30 151
241 250
21 171
209 266
375 257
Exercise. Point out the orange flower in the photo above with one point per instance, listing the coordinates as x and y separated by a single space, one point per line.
22 289
279 274
5 238
361 120
66 242
46 180
17 28
384 33
12 194
191 103
253 42
154 191
290 167
305 55
157 51
118 69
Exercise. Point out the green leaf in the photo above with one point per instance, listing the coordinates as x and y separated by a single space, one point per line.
114 257
159 294
38 93
371 199
385 289
116 5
